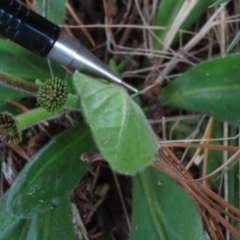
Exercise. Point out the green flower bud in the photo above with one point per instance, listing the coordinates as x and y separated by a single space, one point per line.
9 132
53 94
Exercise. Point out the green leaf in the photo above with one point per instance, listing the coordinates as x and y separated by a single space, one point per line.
21 63
54 224
218 2
199 9
215 157
234 42
167 12
51 174
10 93
51 9
11 228
116 68
212 88
162 209
118 125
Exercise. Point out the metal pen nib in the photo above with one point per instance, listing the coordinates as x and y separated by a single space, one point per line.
45 38
71 53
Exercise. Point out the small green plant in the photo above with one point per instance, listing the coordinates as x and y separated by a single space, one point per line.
37 205
98 102
115 126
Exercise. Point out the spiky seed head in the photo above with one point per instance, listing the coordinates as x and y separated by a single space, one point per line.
9 133
52 95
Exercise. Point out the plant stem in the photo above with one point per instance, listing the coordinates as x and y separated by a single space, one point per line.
18 83
34 116
11 127
72 102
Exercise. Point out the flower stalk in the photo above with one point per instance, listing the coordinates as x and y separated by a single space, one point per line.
54 99
18 83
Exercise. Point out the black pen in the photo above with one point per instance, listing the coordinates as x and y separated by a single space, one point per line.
37 34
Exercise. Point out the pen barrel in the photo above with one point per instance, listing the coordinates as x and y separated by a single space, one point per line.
27 28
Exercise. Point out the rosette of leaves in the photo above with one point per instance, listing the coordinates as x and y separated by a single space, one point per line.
52 94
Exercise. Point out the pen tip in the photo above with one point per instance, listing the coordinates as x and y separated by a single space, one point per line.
128 86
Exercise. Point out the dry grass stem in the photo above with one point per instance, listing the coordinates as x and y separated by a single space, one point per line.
205 135
179 19
78 21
